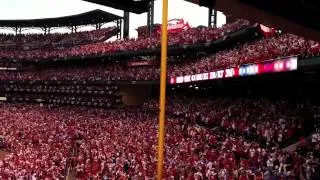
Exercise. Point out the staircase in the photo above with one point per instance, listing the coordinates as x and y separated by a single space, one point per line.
71 175
71 172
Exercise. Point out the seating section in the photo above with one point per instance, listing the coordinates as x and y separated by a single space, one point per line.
251 52
22 42
38 140
265 121
57 95
71 119
119 144
111 71
192 36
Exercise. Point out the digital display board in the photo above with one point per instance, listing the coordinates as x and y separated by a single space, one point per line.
271 66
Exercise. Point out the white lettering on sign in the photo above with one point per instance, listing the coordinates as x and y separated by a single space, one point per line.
220 73
293 63
180 79
230 72
193 78
249 70
242 71
252 69
213 75
187 78
199 77
205 76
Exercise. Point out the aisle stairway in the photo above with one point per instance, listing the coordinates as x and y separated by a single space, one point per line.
71 174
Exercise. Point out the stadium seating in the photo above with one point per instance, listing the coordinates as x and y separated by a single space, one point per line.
111 71
270 123
122 144
38 141
27 42
54 94
59 119
192 36
251 52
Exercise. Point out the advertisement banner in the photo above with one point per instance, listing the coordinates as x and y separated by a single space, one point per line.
272 66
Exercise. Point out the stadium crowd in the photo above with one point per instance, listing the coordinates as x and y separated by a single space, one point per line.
252 52
121 144
262 120
37 140
25 42
191 36
110 71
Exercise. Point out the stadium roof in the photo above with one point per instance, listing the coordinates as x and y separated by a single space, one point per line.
295 16
135 6
90 17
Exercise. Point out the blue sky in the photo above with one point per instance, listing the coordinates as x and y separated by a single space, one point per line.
32 9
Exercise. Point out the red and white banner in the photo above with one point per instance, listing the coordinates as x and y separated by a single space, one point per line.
176 26
271 66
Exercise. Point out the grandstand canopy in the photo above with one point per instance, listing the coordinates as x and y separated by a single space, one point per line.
300 17
90 17
135 6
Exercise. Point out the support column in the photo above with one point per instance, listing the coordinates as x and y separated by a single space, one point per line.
150 18
212 19
209 17
98 26
119 26
45 30
126 22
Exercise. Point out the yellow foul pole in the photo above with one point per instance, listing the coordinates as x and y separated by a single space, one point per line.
163 81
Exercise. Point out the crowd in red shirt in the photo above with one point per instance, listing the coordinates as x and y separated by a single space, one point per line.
38 140
191 36
271 123
252 52
122 143
110 71
25 42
